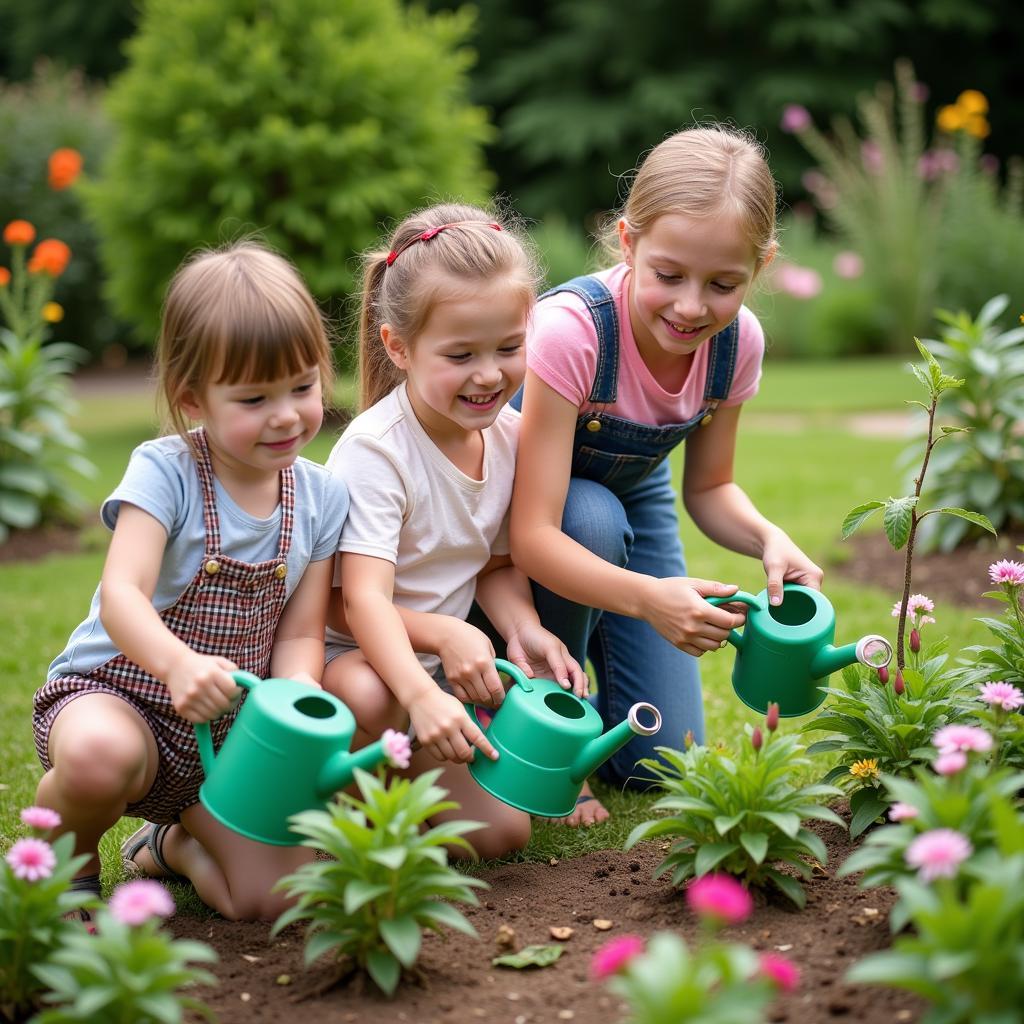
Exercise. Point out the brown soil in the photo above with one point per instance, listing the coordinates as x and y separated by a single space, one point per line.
263 979
29 545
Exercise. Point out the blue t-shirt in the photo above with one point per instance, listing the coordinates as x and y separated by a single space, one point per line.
162 480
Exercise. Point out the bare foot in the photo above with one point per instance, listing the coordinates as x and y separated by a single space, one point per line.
589 811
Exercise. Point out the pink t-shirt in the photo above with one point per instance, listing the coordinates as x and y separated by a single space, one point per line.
561 349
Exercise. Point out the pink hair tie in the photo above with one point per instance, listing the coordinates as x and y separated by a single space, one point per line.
426 236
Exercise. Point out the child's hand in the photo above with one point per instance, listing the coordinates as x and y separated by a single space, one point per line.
676 608
538 652
785 562
201 686
445 730
467 656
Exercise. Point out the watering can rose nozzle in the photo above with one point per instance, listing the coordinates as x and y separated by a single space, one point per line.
633 718
874 651
599 749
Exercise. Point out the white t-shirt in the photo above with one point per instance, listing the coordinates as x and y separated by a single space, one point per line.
410 505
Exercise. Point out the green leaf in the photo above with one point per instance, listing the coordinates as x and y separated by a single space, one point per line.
710 855
972 517
789 886
402 934
384 969
756 844
785 822
868 809
856 516
391 857
359 892
530 956
897 518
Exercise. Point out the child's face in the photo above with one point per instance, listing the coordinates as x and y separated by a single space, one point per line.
689 279
259 427
467 361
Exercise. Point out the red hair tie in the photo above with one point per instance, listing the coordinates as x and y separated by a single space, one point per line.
427 235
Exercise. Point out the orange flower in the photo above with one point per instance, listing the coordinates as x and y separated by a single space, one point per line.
19 232
50 257
65 165
5 277
972 102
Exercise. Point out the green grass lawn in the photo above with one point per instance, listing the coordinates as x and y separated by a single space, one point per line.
804 474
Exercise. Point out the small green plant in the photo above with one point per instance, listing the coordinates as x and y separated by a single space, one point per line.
389 877
34 897
739 815
666 982
129 969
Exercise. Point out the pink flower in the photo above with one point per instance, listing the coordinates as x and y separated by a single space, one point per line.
397 747
613 956
800 282
938 853
962 737
42 818
1005 571
756 738
950 762
771 718
778 969
902 812
919 92
719 897
934 163
31 859
138 901
795 118
848 265
989 163
916 604
871 156
1003 695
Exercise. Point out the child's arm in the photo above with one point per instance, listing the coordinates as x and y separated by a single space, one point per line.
722 510
675 607
299 641
441 722
200 685
503 592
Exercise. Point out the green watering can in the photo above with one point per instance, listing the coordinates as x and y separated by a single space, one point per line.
286 752
785 652
549 741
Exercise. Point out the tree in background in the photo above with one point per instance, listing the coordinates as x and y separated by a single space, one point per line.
309 122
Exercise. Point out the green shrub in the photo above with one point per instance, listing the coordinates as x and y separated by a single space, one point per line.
52 111
308 122
565 251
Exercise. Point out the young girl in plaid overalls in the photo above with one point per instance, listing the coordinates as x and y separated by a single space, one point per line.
623 366
221 557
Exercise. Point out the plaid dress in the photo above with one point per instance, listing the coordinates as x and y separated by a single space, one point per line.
231 609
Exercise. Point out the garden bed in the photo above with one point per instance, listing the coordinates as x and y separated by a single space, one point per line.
263 979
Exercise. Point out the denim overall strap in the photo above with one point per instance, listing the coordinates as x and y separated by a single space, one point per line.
721 365
601 305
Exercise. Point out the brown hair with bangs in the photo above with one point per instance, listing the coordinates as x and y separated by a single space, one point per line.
236 314
465 246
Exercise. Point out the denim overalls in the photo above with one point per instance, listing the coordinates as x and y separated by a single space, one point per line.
621 505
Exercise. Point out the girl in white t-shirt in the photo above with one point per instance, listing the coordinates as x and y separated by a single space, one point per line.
429 467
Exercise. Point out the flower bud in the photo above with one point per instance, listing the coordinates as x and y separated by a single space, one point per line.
915 641
883 675
756 738
899 686
771 719
688 739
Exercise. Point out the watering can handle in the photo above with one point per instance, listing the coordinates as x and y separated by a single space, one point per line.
517 675
740 597
204 738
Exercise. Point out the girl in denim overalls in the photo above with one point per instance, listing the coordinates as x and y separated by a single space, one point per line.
221 558
623 366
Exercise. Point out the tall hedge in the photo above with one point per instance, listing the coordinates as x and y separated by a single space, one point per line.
311 122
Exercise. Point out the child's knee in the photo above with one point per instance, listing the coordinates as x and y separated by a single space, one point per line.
508 835
365 694
94 764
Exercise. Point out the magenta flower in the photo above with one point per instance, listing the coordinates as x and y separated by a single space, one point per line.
795 118
720 898
1002 695
771 718
397 748
31 859
871 156
962 737
613 956
800 282
848 265
950 762
42 818
938 853
916 604
138 901
1005 571
756 738
902 812
783 973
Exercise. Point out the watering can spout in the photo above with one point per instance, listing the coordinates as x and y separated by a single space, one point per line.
339 769
599 749
873 651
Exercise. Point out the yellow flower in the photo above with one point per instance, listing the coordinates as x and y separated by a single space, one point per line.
970 101
976 125
866 769
950 119
53 312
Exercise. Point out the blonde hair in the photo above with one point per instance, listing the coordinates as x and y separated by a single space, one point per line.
239 313
473 247
704 171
